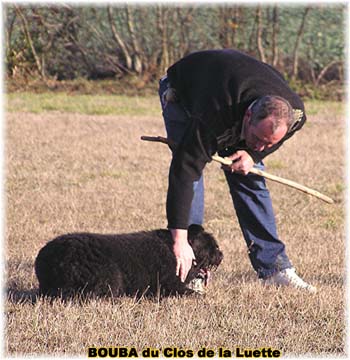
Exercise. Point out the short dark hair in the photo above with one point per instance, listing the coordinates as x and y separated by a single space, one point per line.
275 106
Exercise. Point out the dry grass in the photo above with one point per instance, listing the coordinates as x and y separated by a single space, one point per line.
70 172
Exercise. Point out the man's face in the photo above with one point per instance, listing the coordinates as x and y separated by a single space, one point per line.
260 136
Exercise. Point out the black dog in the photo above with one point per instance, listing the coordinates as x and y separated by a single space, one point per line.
141 263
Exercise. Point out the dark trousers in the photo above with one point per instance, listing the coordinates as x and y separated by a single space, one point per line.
251 200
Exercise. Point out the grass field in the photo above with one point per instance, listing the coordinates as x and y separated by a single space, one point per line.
86 170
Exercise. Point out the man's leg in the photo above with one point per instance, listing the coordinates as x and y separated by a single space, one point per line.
266 251
176 120
253 207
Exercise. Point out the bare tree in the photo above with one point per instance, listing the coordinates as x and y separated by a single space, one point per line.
162 21
8 31
275 29
224 26
259 34
235 23
39 62
184 16
297 43
137 51
122 45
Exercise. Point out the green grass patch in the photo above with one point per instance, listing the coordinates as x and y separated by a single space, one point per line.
274 164
82 104
109 104
317 107
113 174
337 188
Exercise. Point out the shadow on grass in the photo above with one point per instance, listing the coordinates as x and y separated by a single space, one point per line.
330 280
16 291
21 296
324 279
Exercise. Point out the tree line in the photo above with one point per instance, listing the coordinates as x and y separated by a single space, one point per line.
68 42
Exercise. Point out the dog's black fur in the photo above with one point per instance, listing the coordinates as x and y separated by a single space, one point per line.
141 263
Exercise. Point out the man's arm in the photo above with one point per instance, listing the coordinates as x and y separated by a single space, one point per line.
189 159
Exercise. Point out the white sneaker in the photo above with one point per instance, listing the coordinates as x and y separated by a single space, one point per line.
288 277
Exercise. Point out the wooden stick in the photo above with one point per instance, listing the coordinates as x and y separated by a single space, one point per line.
161 139
226 161
293 184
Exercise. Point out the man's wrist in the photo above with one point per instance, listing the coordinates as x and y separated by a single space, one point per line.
179 235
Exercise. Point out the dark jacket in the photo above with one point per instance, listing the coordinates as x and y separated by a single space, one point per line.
216 87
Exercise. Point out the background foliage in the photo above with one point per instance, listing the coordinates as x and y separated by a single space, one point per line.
66 42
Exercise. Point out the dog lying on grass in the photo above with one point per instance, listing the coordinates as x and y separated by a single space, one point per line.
135 264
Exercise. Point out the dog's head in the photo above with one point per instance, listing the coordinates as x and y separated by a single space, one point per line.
205 248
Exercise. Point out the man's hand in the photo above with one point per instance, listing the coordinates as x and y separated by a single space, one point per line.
183 253
242 162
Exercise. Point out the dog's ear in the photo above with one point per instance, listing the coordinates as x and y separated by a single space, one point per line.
194 230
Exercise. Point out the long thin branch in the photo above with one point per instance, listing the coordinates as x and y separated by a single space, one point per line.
324 70
226 161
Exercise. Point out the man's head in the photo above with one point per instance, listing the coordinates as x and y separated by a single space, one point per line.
266 122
